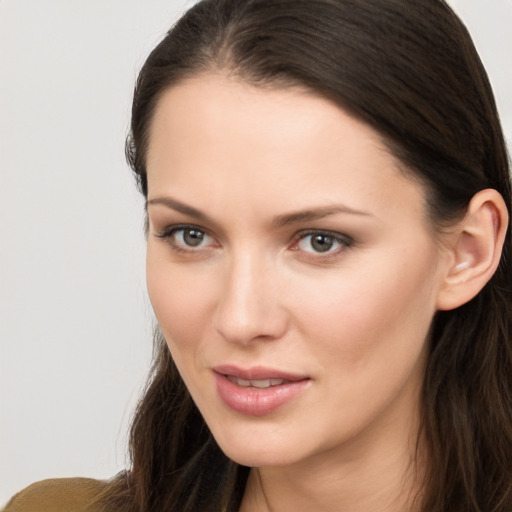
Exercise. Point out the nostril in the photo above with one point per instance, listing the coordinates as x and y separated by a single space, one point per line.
246 324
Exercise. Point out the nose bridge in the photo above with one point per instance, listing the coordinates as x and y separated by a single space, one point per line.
248 306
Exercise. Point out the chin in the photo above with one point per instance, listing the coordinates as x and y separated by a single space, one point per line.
257 458
258 450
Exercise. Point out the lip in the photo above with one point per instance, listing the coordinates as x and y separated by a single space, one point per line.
257 373
252 401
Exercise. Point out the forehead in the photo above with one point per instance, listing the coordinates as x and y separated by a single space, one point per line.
219 137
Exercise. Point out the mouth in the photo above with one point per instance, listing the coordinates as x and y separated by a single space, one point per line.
257 391
257 384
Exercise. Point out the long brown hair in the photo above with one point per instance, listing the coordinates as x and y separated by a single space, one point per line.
409 69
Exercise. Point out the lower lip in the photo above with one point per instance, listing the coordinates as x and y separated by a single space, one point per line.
257 402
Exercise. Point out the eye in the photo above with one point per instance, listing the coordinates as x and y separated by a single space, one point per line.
321 242
187 238
190 237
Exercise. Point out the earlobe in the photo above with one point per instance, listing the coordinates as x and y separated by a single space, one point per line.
476 249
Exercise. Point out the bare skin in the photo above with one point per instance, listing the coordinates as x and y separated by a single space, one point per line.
283 237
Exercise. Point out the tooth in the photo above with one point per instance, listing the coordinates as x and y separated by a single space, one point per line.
239 382
260 383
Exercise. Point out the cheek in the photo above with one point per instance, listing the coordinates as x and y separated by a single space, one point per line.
179 298
376 315
366 333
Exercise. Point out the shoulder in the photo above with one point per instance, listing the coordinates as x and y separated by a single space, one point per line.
57 495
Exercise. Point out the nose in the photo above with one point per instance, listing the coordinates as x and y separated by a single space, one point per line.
249 306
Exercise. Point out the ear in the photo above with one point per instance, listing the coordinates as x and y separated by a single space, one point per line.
475 248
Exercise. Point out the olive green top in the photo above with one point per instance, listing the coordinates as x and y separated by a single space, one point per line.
57 495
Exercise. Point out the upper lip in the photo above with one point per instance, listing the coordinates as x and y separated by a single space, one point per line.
257 373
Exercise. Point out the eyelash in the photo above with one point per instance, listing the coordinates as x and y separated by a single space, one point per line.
171 231
343 241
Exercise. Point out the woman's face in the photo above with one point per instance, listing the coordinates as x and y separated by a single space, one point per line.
292 270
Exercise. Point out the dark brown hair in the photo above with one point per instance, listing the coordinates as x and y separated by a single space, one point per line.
409 69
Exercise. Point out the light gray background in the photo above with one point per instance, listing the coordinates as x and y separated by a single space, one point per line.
74 318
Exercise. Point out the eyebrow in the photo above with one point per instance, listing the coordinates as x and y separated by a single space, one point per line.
278 221
180 207
315 214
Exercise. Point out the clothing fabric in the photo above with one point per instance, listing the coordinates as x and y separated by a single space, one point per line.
57 495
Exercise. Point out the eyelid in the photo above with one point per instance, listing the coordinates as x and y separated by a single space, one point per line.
316 231
169 231
344 240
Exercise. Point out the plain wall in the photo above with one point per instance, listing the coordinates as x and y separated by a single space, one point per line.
75 322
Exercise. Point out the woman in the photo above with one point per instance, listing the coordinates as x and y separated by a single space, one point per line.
328 203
